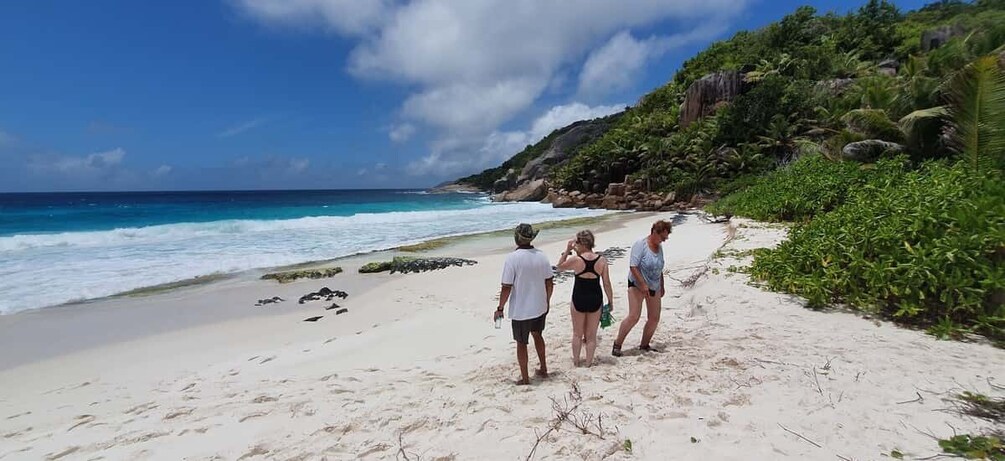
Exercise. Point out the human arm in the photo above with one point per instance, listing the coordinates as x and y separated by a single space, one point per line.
663 285
504 295
549 286
606 275
564 263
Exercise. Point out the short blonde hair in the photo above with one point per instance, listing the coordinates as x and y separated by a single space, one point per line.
585 238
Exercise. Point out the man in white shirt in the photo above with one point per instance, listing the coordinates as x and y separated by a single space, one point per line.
527 283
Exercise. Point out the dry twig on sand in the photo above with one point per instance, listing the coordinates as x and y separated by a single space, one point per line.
799 435
569 410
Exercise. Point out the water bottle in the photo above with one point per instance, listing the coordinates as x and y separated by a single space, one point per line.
499 318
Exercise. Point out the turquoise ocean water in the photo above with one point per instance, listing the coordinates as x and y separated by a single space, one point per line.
62 247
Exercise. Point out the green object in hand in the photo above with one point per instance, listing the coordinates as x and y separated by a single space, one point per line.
606 319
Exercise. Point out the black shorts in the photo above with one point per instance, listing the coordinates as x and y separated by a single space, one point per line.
523 328
631 284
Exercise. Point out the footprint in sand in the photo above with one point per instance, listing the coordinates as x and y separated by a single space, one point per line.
81 420
178 412
264 398
15 434
267 360
257 450
61 454
256 414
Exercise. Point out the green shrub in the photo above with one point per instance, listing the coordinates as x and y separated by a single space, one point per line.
805 188
922 247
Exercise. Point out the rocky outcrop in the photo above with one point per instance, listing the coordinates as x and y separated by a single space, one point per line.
529 184
706 93
449 187
870 150
506 182
934 38
530 191
619 196
888 67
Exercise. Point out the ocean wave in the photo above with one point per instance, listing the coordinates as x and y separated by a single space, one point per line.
50 269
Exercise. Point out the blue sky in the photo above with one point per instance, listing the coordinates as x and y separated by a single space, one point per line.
328 94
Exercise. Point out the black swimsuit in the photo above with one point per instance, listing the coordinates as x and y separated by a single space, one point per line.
586 293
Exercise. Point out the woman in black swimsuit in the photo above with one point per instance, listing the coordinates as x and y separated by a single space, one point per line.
587 297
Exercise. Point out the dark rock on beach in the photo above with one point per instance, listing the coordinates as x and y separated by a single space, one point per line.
427 264
325 293
341 311
407 264
313 319
272 300
289 276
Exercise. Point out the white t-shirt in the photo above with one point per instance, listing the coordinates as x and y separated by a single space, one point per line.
527 269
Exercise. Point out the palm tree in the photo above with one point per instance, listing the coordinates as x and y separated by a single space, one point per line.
977 110
973 119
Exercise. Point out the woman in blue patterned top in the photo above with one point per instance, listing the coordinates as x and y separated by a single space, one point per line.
645 282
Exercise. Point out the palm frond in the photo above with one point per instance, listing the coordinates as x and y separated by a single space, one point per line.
909 122
977 95
873 123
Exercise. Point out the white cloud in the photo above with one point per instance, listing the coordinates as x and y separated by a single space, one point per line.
100 161
241 128
161 171
342 16
472 66
615 65
457 155
473 108
298 165
560 116
402 132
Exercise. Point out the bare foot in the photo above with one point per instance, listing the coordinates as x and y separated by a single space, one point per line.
541 373
522 382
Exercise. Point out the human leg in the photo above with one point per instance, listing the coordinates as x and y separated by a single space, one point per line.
539 345
654 306
578 319
521 334
634 312
590 326
521 358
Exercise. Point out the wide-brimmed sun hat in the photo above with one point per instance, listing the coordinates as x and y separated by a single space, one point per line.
525 233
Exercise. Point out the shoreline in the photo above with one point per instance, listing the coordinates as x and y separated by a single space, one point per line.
740 370
166 308
256 272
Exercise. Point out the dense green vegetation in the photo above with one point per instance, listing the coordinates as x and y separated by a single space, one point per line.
792 107
919 246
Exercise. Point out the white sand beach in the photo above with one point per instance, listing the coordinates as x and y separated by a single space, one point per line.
415 370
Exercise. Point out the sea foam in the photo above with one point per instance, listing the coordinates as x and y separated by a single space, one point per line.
40 270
